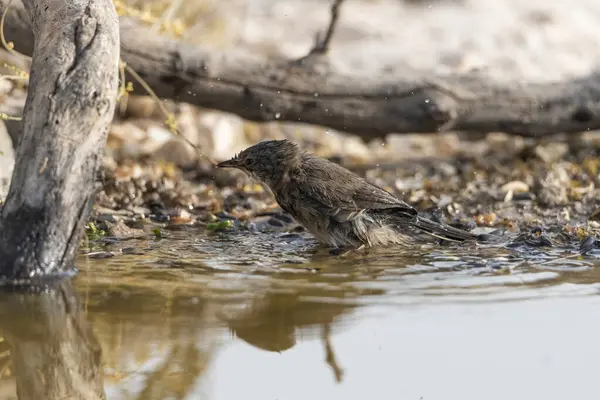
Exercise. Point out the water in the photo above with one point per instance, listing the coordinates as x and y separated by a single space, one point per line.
272 316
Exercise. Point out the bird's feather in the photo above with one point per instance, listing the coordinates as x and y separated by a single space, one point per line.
337 206
442 231
342 195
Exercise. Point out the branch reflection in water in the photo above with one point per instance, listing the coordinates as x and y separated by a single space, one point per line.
53 351
134 329
162 332
155 344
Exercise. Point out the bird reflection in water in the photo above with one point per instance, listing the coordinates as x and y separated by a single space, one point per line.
272 323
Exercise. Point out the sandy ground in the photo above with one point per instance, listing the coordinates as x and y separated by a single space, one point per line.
516 40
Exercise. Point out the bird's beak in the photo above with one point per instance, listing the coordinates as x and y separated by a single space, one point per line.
233 163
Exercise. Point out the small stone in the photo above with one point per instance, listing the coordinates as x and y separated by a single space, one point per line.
100 254
515 187
552 187
141 106
551 152
106 218
120 230
178 152
227 132
404 185
489 219
587 244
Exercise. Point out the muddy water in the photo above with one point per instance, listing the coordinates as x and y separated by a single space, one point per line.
272 316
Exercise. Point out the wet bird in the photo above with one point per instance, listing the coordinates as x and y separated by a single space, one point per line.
338 207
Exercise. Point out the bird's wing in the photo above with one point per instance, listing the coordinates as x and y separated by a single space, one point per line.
343 195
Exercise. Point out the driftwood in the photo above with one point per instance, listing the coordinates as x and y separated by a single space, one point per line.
263 89
54 352
70 103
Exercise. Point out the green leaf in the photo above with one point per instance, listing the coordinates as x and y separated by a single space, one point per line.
224 224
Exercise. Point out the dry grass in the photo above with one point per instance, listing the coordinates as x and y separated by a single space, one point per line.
211 22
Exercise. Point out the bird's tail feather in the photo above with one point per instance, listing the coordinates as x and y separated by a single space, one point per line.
443 232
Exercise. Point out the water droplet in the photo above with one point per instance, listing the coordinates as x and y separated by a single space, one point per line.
277 115
316 94
426 100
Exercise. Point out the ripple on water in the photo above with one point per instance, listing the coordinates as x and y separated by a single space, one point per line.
195 303
251 261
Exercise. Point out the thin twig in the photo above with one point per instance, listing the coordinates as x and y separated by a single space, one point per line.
14 77
168 15
330 359
9 46
170 118
123 95
322 45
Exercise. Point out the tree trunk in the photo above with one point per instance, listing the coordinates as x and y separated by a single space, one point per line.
70 103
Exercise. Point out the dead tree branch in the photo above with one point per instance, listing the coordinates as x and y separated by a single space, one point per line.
322 44
70 103
262 89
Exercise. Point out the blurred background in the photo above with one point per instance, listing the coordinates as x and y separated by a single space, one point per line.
196 286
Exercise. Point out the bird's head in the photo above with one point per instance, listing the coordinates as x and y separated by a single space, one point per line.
270 161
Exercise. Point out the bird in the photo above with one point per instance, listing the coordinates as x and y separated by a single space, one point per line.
338 207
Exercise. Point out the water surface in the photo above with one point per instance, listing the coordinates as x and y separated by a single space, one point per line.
273 316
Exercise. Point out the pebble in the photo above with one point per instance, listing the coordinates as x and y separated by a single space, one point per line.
141 106
587 244
551 152
515 187
120 230
178 152
553 187
100 254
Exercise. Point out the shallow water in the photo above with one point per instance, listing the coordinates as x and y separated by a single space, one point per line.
273 316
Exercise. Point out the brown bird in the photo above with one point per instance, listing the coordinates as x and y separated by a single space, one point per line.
338 207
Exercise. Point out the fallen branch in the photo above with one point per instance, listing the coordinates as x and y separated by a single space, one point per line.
262 89
71 100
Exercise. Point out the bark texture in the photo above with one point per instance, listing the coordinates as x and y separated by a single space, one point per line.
71 100
259 88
